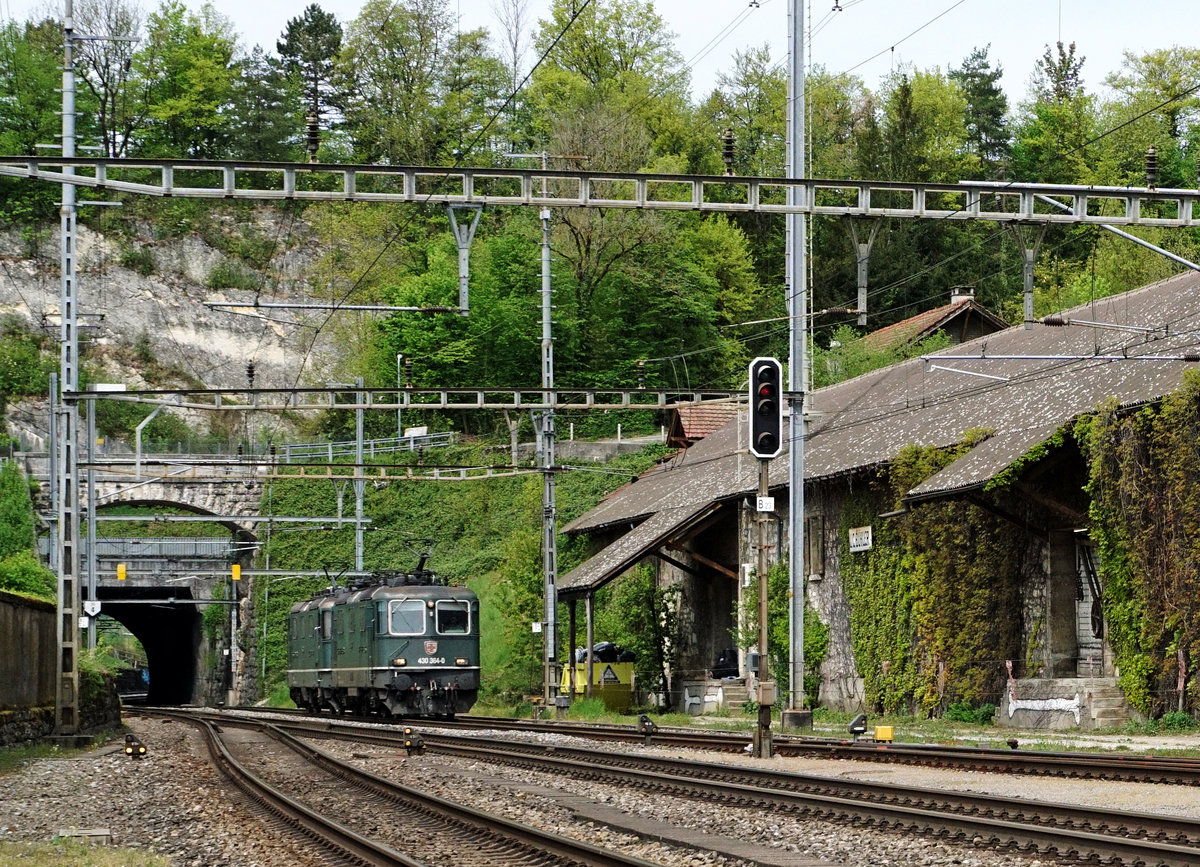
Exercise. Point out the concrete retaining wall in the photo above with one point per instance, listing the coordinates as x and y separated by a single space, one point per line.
28 650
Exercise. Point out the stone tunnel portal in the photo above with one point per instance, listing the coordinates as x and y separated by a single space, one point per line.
171 635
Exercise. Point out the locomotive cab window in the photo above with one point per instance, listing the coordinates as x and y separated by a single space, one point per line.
453 617
327 624
406 617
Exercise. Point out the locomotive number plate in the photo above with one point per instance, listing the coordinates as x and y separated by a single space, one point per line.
432 660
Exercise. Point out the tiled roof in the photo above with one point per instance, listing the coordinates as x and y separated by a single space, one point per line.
696 421
864 422
931 321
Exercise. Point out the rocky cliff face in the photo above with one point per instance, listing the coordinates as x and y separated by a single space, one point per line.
153 329
164 310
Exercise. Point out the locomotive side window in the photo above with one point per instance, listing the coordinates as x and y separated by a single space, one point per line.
406 617
327 623
453 617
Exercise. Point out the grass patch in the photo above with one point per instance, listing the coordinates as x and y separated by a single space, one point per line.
138 259
15 758
75 853
280 696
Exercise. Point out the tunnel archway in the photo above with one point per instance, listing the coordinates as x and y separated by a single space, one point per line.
170 635
169 581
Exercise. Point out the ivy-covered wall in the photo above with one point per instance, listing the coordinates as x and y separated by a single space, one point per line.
1144 481
841 684
935 604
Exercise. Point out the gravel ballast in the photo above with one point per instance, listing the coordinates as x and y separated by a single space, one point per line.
174 803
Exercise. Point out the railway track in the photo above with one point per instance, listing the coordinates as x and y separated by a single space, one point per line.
471 837
1101 766
1065 832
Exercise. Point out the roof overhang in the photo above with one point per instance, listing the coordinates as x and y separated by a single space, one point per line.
642 541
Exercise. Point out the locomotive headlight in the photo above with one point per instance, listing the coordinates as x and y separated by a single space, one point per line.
460 661
400 662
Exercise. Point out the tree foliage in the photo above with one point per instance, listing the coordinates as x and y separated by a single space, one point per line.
184 76
308 51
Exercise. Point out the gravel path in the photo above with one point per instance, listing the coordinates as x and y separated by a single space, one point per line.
175 804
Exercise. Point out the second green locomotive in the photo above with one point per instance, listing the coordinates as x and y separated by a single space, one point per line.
403 646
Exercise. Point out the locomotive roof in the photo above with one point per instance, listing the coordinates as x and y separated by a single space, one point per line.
343 595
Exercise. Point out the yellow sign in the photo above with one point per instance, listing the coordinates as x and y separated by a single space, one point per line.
612 683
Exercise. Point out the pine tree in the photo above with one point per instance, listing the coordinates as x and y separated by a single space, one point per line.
987 110
309 47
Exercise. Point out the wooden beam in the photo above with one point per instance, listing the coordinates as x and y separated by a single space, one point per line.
712 564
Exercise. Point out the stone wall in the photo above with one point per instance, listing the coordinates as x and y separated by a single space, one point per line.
841 683
25 725
28 655
28 650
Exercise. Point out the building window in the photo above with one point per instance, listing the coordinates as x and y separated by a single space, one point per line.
814 545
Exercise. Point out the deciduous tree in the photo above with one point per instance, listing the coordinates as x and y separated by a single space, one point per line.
184 75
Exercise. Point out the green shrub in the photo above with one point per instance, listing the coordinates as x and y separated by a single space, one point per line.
138 259
1177 721
232 275
24 368
16 511
23 573
963 711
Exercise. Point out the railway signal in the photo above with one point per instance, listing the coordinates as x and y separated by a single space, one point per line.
766 408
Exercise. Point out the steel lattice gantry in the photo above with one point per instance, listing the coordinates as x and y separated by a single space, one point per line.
989 201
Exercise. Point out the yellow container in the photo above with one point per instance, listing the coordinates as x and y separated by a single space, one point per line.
884 734
612 682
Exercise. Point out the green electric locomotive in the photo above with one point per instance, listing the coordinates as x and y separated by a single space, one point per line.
403 645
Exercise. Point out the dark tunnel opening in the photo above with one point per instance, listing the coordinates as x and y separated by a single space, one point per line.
170 634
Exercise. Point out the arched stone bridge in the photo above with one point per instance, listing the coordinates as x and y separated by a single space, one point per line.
233 500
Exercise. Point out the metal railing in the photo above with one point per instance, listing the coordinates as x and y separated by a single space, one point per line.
348 448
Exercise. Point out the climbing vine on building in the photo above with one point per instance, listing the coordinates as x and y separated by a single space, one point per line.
1144 482
935 602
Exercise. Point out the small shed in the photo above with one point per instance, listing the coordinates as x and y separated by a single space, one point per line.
690 424
963 319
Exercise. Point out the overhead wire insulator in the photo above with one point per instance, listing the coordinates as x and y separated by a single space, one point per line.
1053 320
1151 167
313 139
727 153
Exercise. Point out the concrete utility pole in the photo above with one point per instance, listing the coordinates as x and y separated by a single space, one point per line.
797 273
360 483
549 509
399 385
